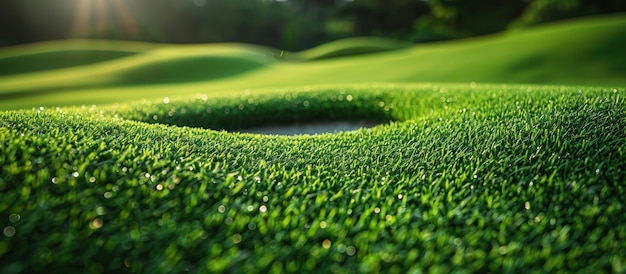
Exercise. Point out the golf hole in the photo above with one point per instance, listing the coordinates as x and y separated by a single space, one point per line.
311 128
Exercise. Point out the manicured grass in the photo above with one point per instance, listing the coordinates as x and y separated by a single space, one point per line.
486 178
582 52
461 177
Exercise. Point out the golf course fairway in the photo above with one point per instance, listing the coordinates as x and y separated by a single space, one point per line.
504 153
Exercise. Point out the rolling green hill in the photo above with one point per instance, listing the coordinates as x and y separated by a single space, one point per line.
584 52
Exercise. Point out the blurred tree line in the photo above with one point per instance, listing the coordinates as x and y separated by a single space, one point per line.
283 24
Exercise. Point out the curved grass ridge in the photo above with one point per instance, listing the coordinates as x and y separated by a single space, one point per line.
351 46
487 178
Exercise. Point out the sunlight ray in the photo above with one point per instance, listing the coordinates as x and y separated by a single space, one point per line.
81 19
128 20
97 18
101 17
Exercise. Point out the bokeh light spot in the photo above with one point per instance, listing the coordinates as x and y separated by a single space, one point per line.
14 218
326 243
96 223
9 231
237 238
351 250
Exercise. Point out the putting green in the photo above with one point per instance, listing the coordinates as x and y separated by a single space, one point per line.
465 177
460 177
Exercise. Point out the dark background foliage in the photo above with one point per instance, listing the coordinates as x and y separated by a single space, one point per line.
283 24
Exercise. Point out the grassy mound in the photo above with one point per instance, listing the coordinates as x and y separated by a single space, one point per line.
476 178
351 46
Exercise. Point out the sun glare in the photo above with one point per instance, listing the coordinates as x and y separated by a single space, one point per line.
101 18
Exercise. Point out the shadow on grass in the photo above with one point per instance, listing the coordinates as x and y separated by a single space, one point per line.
311 128
56 60
188 69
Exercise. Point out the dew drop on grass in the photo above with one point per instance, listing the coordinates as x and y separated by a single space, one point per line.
92 179
250 208
75 174
322 224
55 180
96 223
326 243
263 209
350 250
166 100
251 226
107 195
14 218
400 196
221 209
9 231
341 248
237 238
377 210
502 250
527 205
159 187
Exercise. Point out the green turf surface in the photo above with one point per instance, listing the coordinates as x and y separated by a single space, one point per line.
490 178
461 177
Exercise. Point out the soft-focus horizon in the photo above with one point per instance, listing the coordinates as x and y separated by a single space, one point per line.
283 24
